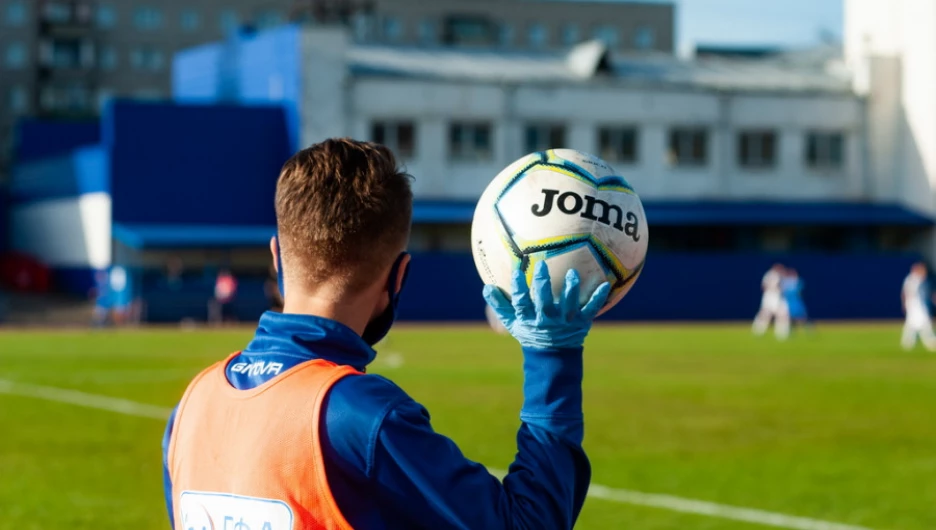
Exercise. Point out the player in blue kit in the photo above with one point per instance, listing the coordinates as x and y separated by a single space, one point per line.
343 214
792 287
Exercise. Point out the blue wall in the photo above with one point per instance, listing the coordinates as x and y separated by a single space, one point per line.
196 74
42 138
4 220
446 287
178 164
73 280
686 287
269 72
249 69
70 174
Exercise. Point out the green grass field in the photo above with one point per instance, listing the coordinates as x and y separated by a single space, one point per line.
839 426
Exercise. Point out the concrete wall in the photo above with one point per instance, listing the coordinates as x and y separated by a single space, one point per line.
323 85
582 109
891 46
66 233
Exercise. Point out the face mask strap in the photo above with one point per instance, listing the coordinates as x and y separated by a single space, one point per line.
378 328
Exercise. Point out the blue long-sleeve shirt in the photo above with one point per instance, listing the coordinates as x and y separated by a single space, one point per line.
386 466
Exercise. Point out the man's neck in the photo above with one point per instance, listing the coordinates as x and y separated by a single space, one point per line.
351 312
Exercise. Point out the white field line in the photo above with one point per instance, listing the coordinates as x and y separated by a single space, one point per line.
83 399
637 498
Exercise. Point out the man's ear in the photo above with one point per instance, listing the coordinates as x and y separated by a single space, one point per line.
274 250
401 272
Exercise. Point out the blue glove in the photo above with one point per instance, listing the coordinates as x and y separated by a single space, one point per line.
536 321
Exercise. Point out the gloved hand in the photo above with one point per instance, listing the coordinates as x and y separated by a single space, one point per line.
538 321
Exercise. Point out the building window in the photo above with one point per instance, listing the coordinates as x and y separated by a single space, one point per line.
230 20
57 12
15 13
15 56
269 18
147 58
506 34
190 20
470 141
399 136
644 38
470 31
363 27
428 34
825 150
71 97
607 35
570 34
18 100
757 149
108 58
618 144
147 17
392 29
537 35
105 16
157 60
67 54
543 136
688 146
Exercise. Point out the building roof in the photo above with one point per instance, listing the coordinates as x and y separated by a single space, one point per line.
152 236
725 213
818 69
659 213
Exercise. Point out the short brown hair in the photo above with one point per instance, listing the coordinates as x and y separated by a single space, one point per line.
343 211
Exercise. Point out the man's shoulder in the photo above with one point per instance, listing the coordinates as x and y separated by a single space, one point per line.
363 401
366 393
353 414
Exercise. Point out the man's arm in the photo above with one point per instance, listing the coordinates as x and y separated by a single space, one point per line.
167 480
420 479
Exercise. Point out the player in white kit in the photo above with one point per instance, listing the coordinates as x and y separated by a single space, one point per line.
915 296
773 306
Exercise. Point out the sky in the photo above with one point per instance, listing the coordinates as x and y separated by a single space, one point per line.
790 23
787 23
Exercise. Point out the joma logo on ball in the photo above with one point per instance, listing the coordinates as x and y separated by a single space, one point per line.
571 203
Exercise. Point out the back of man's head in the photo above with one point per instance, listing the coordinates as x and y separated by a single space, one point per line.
343 211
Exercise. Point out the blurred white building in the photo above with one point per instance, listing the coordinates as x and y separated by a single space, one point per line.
890 48
787 151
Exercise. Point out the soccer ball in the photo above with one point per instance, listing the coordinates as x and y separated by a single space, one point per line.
567 208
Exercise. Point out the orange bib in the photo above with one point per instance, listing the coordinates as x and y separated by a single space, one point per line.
252 459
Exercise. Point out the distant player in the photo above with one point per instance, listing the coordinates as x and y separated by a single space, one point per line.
101 294
792 288
915 297
293 432
121 295
221 307
773 306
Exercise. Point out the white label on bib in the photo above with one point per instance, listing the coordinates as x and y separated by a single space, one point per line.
220 511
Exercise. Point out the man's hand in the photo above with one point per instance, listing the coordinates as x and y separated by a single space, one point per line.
535 320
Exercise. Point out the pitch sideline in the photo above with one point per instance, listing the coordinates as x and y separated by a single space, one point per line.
598 491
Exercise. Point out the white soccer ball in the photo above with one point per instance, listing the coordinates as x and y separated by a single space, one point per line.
567 208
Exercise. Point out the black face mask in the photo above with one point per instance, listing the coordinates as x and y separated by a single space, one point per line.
377 328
